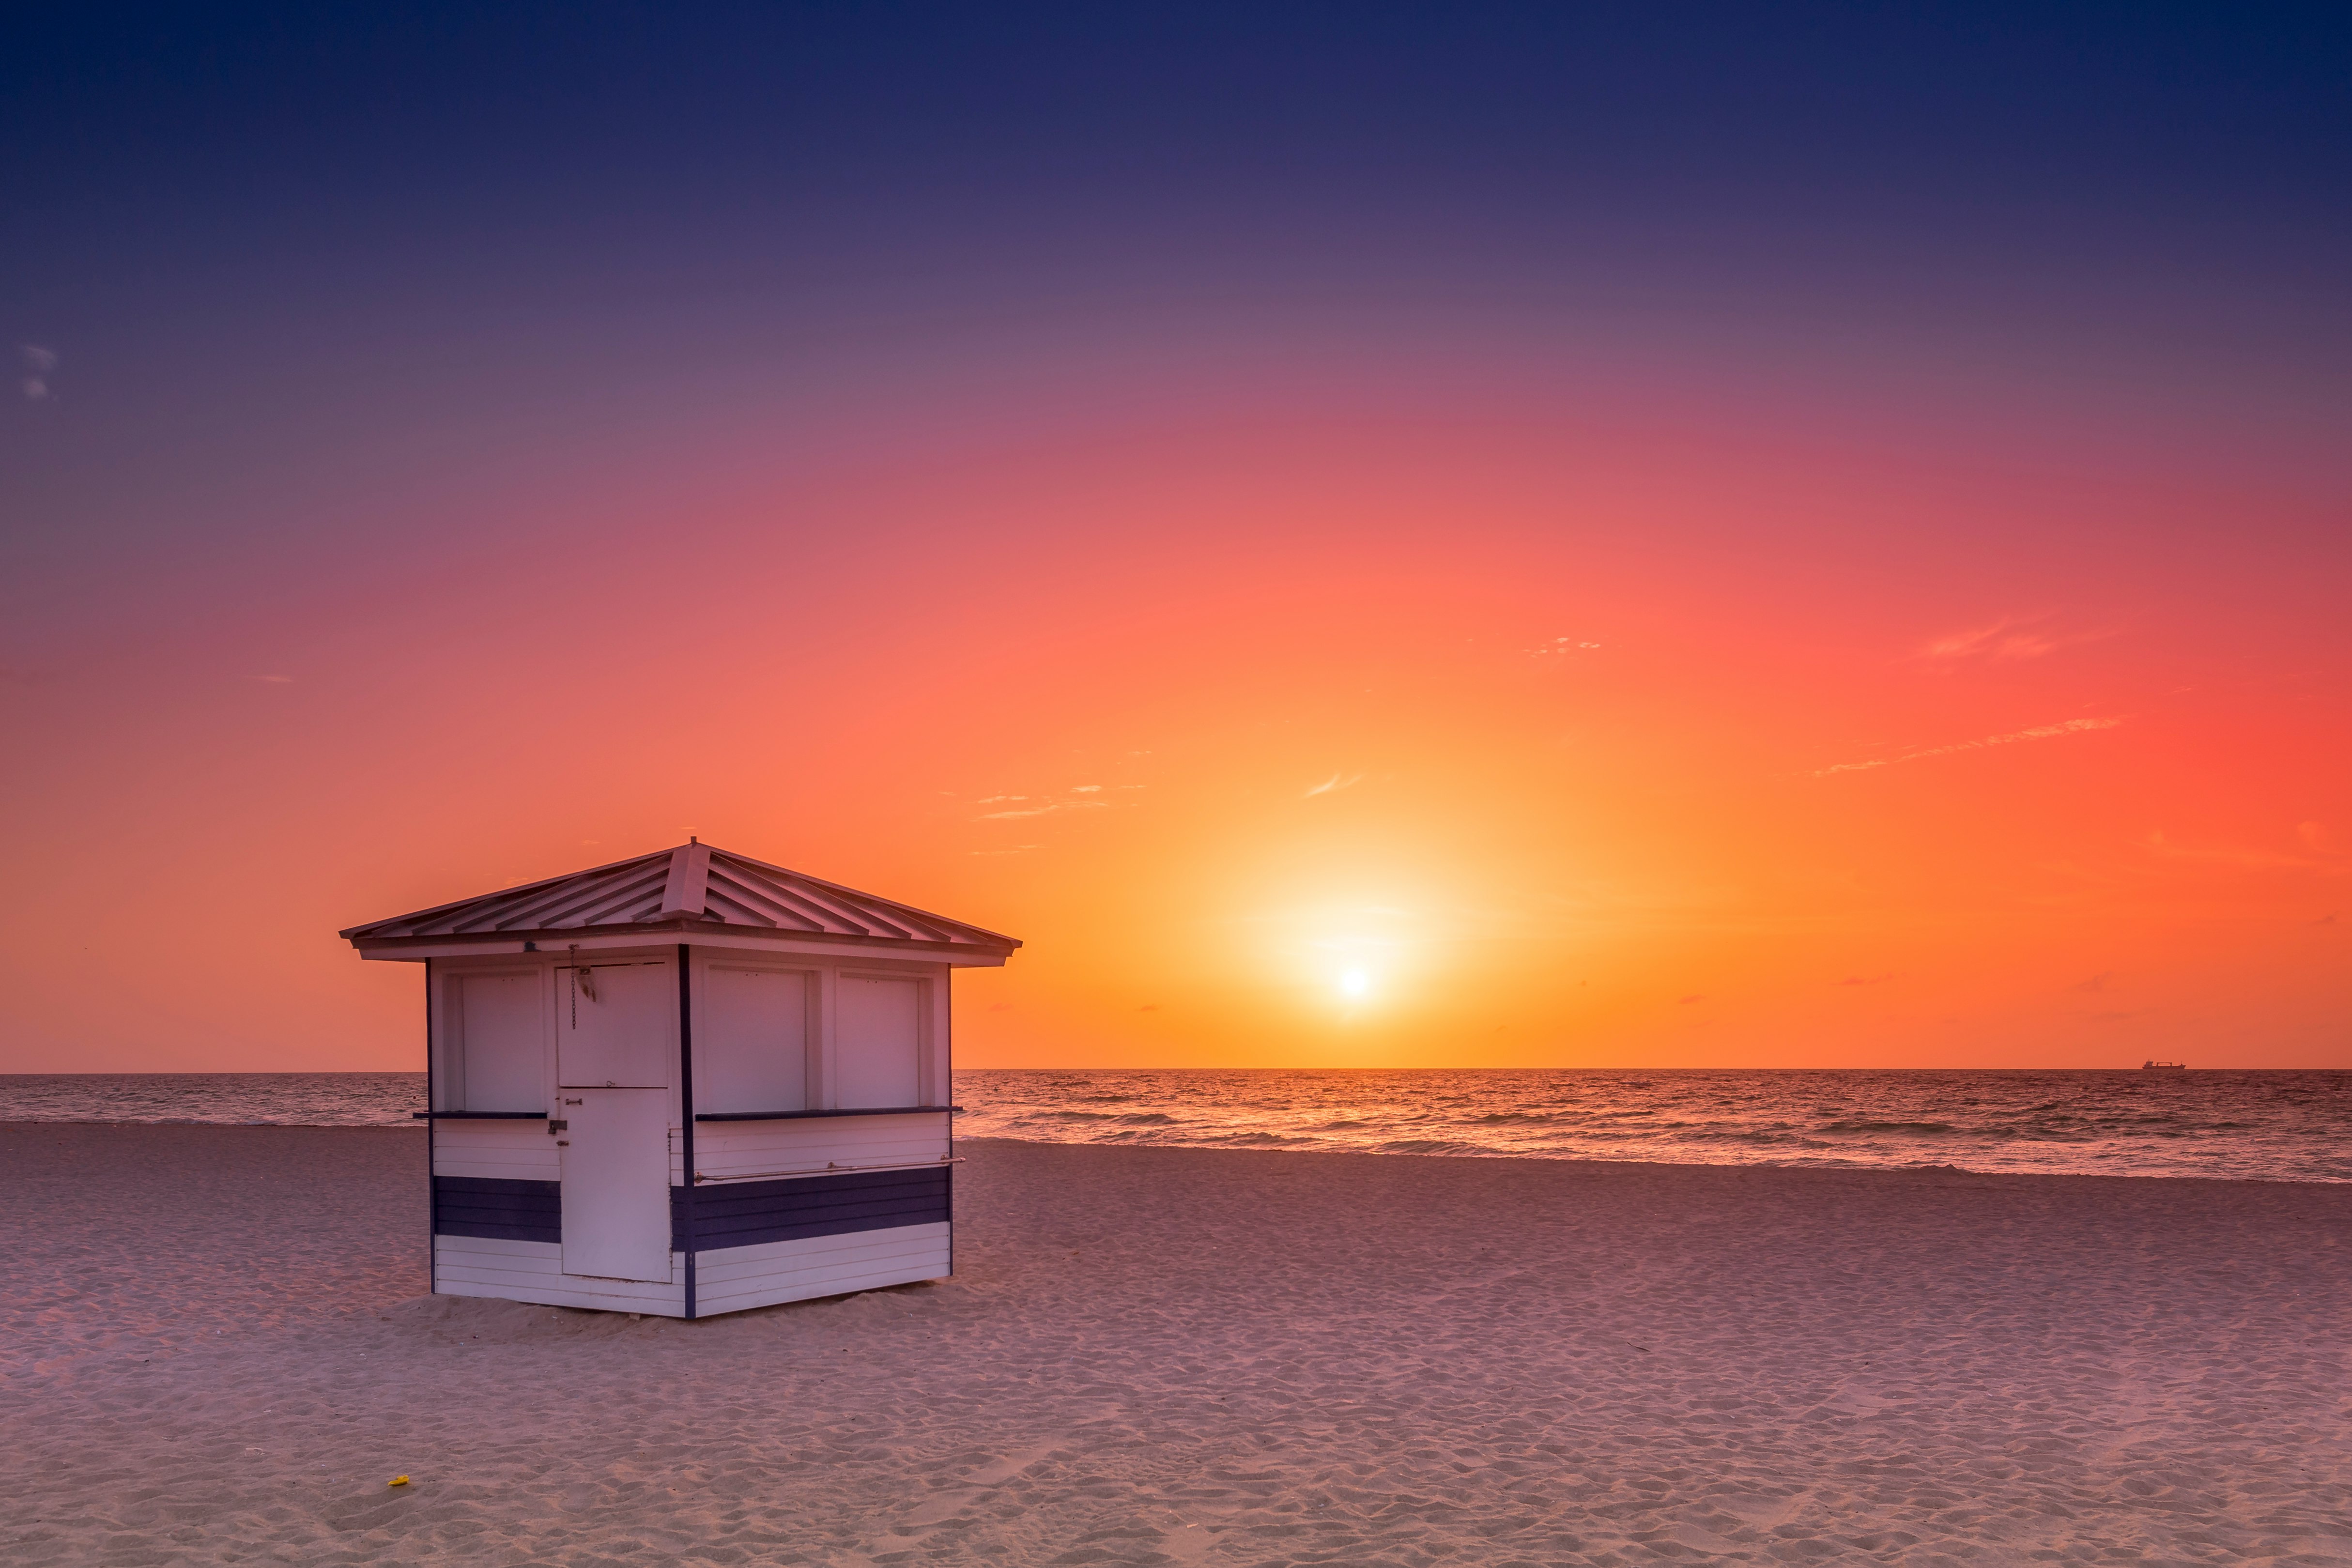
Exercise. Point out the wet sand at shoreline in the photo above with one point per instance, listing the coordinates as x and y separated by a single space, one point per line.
214 1348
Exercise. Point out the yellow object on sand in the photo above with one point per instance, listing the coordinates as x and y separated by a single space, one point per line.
397 1481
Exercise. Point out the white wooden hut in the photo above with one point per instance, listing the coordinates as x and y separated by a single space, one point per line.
685 1084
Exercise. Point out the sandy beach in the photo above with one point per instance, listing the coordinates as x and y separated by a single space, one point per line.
217 1350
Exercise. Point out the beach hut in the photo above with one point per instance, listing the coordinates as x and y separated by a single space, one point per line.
685 1084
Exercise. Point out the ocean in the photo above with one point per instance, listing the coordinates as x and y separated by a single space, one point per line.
2256 1126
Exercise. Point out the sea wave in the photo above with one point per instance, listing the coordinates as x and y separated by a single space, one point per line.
2292 1126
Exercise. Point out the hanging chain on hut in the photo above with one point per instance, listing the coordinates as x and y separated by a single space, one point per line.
583 980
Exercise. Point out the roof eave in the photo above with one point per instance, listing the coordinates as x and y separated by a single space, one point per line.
671 929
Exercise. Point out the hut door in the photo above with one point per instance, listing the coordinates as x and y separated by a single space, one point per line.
616 1023
616 1182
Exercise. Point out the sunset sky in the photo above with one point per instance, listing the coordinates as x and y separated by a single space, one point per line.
1367 535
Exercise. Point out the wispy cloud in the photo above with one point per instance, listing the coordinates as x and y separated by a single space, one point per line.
1042 808
276 680
2322 856
1077 797
1333 784
2009 637
38 362
2039 732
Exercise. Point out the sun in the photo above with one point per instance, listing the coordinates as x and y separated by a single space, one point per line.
1343 958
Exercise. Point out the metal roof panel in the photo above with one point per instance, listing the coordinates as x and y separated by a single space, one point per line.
693 883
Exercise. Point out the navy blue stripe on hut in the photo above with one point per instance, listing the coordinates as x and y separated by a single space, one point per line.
498 1208
745 1214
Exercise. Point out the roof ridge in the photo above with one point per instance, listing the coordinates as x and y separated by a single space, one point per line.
687 893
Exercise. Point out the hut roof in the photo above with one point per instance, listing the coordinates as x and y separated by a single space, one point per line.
694 886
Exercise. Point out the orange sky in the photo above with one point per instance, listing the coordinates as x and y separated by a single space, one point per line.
1295 708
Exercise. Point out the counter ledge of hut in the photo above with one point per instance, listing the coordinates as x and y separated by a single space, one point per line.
686 1084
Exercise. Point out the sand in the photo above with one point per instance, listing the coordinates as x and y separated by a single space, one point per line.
215 1351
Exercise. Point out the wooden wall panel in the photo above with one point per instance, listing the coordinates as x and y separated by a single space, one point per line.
739 1279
